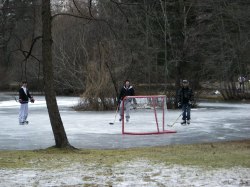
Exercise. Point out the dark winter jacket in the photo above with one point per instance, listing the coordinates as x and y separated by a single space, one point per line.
185 95
23 97
126 92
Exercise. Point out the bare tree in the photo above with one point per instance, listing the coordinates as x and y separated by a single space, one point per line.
60 136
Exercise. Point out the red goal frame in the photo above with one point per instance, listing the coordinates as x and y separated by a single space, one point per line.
159 131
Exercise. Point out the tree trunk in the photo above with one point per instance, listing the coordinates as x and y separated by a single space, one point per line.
60 136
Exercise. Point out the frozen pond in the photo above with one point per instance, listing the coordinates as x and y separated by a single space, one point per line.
211 122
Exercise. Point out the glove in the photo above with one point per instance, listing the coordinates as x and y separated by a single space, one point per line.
190 103
20 100
32 100
179 104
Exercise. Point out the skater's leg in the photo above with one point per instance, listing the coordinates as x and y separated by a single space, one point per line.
23 113
128 104
121 111
184 114
188 114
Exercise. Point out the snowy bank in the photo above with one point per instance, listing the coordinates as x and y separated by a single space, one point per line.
133 173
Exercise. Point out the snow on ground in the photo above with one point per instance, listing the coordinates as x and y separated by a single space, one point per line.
133 173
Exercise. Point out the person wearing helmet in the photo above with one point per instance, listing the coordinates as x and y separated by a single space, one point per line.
184 98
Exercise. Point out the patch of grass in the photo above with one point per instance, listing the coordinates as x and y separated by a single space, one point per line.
210 155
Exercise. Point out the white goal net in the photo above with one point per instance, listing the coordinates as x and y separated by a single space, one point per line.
142 115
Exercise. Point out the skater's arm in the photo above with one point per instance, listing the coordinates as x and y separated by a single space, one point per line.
121 95
191 95
28 94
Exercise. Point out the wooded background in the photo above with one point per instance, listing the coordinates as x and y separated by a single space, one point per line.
153 43
91 47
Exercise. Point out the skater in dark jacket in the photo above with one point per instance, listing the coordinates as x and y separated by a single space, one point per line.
24 97
126 90
184 98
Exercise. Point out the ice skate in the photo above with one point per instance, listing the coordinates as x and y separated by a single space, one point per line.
127 118
183 122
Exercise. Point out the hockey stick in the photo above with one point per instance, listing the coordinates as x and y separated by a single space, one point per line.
175 120
115 115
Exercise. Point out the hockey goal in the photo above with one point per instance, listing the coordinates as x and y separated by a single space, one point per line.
144 115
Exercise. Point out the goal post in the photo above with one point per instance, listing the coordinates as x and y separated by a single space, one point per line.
144 115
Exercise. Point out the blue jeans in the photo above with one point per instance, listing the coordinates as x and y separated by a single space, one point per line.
186 111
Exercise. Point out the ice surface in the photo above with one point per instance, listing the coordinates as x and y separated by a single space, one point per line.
212 121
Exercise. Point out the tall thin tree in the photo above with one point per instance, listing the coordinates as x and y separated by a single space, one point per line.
60 136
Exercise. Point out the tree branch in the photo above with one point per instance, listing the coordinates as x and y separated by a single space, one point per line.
72 15
118 6
31 47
